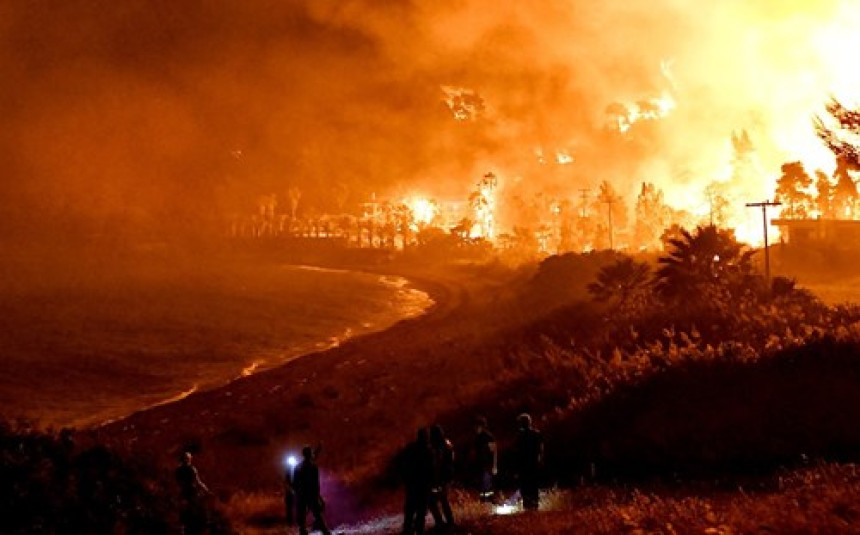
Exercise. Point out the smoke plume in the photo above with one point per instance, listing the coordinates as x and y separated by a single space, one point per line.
157 117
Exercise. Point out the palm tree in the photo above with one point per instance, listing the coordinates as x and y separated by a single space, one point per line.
626 282
704 263
616 212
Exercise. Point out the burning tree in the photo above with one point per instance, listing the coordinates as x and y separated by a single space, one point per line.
483 203
843 139
651 216
615 211
791 189
718 203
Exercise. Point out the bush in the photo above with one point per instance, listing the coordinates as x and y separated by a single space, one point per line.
49 484
712 417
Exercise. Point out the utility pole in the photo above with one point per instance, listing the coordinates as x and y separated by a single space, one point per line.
583 194
764 206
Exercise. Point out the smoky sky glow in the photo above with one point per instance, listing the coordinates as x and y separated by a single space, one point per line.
152 113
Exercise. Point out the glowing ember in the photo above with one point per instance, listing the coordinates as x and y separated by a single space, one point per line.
626 115
465 104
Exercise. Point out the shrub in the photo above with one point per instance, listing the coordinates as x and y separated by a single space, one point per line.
50 484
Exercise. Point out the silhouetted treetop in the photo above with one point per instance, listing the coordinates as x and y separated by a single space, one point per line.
791 188
702 263
843 139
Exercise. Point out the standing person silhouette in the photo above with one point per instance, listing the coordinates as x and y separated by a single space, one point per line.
443 475
485 459
306 484
528 451
417 471
192 513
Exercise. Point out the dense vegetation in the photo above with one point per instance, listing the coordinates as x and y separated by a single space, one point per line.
697 368
51 484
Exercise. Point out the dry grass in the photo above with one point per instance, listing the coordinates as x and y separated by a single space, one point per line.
261 512
820 499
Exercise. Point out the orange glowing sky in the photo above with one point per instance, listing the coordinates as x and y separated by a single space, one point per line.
138 110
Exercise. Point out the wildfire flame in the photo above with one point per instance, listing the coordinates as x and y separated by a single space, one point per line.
625 115
764 70
464 103
424 210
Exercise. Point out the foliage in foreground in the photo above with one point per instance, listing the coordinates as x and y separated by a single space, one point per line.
818 499
50 484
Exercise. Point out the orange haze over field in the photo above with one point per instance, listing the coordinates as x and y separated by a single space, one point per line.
155 117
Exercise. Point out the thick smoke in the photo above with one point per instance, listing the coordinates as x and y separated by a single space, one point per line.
156 117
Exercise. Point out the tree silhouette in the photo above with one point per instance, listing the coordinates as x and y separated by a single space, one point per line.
824 195
790 188
613 212
651 216
706 264
672 232
626 283
845 190
718 203
463 229
839 137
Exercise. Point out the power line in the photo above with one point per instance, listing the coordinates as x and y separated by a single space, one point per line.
764 206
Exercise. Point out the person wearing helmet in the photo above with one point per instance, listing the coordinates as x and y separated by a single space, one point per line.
528 451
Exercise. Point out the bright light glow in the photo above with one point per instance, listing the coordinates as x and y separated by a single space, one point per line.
423 210
484 206
648 109
506 509
291 461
